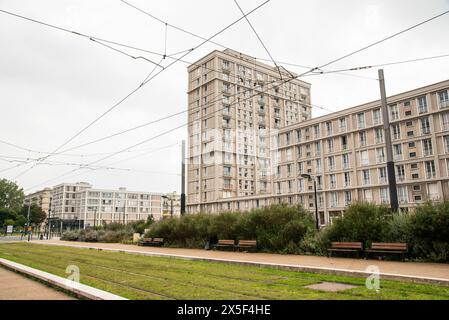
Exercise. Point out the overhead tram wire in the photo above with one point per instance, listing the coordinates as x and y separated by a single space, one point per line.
260 40
318 68
142 84
310 71
99 40
378 65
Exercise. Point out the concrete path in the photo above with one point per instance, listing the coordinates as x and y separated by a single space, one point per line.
16 287
435 271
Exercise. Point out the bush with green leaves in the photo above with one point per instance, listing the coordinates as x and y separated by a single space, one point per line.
361 222
428 230
277 228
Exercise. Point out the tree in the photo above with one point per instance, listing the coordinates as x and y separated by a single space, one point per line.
11 196
37 215
6 214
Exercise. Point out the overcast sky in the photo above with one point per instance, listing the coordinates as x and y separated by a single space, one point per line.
53 83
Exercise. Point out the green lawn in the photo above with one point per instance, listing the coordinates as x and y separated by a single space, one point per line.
144 277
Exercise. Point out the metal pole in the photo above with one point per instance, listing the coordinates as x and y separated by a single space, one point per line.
28 220
183 178
49 224
390 163
316 206
171 207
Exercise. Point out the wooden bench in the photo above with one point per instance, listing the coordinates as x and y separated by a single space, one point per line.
356 247
389 248
225 244
151 242
247 245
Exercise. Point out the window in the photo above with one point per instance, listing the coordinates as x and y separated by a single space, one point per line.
300 167
427 147
331 162
430 169
377 118
301 185
412 154
316 130
382 175
425 125
396 131
348 197
347 178
367 195
445 121
345 158
289 170
408 113
443 99
394 112
411 144
362 138
364 158
298 135
409 123
332 181
397 151
380 155
400 171
422 104
317 148
334 199
432 191
344 143
227 171
402 194
361 120
379 135
318 166
384 195
446 143
330 145
329 128
342 122
366 177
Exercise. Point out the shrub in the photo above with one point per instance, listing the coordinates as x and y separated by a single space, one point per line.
361 222
274 228
429 230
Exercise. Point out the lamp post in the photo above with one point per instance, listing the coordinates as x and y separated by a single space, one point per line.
171 205
310 177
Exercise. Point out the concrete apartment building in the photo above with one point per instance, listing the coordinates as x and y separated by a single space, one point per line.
345 152
41 198
79 205
235 106
167 205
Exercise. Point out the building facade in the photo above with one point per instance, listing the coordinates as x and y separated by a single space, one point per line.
235 106
79 205
345 153
41 198
167 205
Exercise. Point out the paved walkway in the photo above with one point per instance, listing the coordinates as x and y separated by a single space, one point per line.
412 269
16 287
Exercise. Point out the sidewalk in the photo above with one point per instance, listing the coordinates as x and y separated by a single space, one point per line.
16 287
408 269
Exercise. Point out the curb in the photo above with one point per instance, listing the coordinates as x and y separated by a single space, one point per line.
290 267
78 289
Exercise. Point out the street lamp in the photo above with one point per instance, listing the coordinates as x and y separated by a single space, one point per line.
171 204
310 177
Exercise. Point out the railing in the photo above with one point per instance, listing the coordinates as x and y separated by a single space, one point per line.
444 104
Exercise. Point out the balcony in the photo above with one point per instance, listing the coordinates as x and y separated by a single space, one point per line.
261 111
226 90
401 178
430 175
444 104
225 68
226 113
226 125
227 187
261 102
